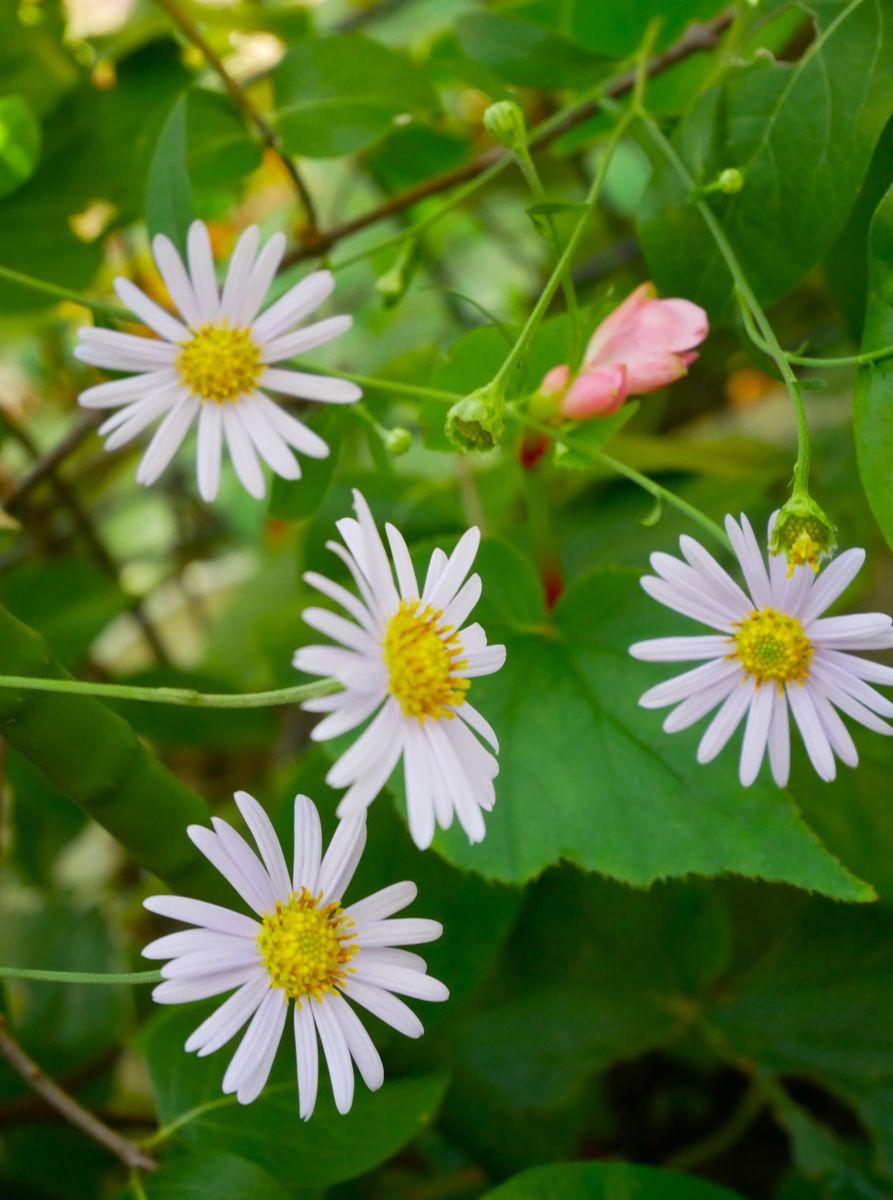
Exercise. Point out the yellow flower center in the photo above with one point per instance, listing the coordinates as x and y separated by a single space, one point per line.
421 656
771 645
219 363
306 945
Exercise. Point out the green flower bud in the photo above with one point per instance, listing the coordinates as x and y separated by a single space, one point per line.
397 440
504 121
730 181
392 285
477 422
803 533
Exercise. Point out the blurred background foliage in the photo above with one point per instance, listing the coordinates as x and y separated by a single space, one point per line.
647 964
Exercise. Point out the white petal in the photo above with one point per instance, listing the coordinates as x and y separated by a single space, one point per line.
210 450
386 1007
832 582
359 1043
200 912
372 779
243 258
242 453
226 1021
308 846
346 599
862 668
690 683
856 687
750 556
814 737
399 931
460 607
307 1057
176 280
128 423
325 389
407 583
189 941
467 807
682 601
202 987
780 744
681 649
383 731
345 718
849 632
253 1046
216 853
837 733
124 391
297 303
246 861
485 662
707 566
201 271
383 903
208 961
259 280
699 704
756 733
400 980
268 442
453 574
150 313
302 340
689 580
264 835
337 1054
292 430
340 630
470 715
342 858
251 1085
166 441
418 786
846 703
124 351
725 722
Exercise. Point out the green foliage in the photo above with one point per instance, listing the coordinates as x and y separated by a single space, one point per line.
606 1181
339 95
168 194
19 142
766 121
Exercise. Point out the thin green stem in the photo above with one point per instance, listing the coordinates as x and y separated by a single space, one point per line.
167 1131
101 977
135 1181
170 695
746 297
626 118
64 293
599 458
373 383
805 360
531 175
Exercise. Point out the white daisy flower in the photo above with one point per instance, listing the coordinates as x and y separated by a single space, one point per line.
773 651
213 363
302 946
406 661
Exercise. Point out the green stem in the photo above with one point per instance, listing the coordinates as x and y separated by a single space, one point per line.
747 298
532 177
626 118
171 695
42 976
716 1143
804 360
167 1131
64 293
374 383
599 457
135 1181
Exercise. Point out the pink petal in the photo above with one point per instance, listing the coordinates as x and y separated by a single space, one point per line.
614 327
595 393
650 372
555 381
659 327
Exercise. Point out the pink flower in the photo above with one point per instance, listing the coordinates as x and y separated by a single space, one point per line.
641 346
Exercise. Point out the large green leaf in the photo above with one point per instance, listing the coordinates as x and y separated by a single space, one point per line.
168 191
195 1176
588 776
606 1181
802 134
19 142
873 409
327 1149
339 94
615 30
522 52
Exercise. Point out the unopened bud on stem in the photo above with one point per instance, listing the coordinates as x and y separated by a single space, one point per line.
504 121
803 533
477 422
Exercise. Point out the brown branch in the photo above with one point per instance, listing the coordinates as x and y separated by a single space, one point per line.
45 468
696 40
71 1110
240 97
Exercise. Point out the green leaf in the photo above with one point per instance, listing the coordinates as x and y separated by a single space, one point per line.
20 142
323 1151
588 776
522 52
873 406
615 30
767 121
606 1181
168 191
591 435
296 499
220 149
196 1176
338 94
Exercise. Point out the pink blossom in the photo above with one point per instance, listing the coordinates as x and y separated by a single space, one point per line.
644 344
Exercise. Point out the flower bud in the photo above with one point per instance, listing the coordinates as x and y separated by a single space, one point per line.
392 285
803 533
504 121
477 422
397 440
730 181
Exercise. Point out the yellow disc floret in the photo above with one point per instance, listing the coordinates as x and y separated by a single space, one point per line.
306 945
219 362
422 656
772 645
